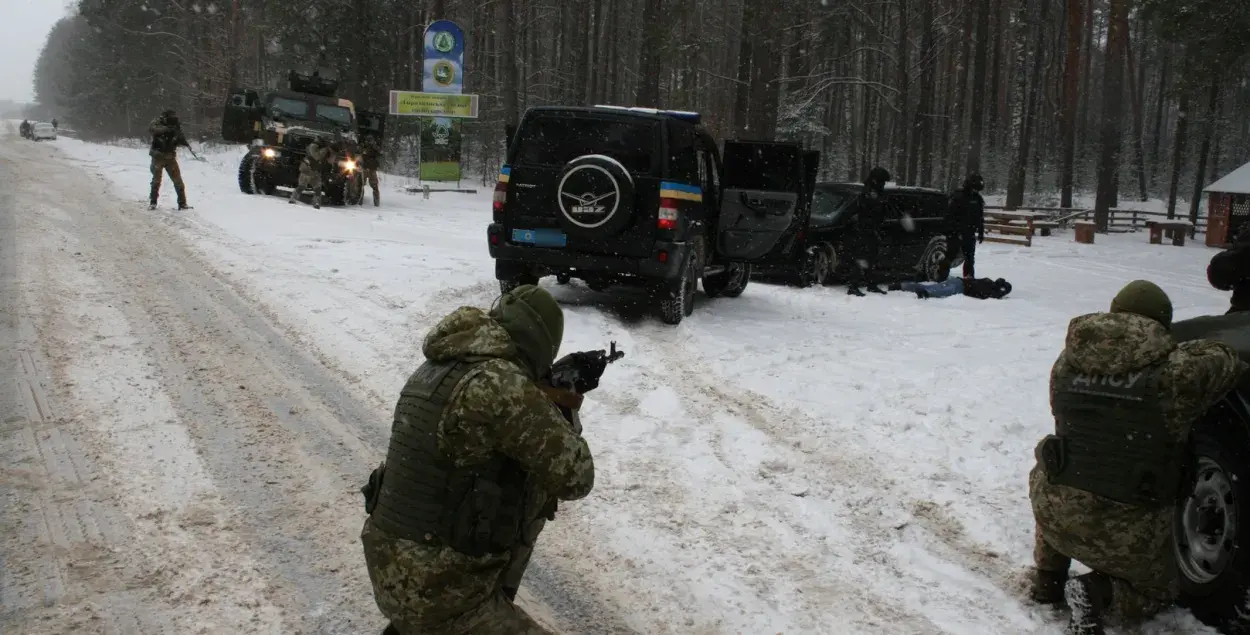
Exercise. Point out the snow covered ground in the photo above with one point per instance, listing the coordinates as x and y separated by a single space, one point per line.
791 461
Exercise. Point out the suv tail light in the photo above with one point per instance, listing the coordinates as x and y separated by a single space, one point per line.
501 197
667 218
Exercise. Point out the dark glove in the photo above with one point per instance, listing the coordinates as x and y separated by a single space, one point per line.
590 368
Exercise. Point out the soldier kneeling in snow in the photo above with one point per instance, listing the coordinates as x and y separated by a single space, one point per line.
1124 395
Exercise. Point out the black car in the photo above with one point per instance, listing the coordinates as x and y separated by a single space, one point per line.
913 245
639 196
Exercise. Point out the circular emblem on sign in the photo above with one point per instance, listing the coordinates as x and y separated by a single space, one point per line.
589 196
444 73
444 42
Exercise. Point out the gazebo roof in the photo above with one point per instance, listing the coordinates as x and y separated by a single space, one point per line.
1235 182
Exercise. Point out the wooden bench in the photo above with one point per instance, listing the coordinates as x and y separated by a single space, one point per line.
1173 229
1010 233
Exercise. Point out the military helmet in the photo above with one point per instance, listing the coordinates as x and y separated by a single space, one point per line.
1144 298
974 182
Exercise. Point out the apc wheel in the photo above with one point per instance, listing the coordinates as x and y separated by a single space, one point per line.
246 168
1212 526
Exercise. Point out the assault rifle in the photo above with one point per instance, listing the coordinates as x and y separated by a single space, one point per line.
570 377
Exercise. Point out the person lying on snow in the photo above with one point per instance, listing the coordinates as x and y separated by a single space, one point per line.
1229 270
979 288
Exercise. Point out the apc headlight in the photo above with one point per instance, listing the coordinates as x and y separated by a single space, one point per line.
269 153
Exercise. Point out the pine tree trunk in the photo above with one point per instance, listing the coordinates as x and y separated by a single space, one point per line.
507 52
1208 131
1178 150
1071 100
1112 112
1135 96
1156 140
1016 181
899 160
976 126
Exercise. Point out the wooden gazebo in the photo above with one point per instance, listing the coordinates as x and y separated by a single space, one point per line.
1228 206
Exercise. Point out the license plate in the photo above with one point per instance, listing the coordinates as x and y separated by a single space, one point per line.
540 237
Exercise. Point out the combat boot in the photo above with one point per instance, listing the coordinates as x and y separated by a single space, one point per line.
855 292
377 198
1088 596
873 288
1047 586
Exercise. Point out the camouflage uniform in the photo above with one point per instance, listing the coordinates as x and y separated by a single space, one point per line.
370 162
166 137
1126 544
317 158
496 420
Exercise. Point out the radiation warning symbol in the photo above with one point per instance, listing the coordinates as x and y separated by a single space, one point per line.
444 42
444 73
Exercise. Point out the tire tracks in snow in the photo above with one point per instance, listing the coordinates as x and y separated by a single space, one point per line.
812 479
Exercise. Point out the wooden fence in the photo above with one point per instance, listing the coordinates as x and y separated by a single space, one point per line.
1118 220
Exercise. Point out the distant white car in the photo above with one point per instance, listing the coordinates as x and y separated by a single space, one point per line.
43 131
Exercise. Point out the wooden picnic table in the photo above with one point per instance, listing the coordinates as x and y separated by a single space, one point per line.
1173 228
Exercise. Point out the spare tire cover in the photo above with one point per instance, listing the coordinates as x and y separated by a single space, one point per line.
595 196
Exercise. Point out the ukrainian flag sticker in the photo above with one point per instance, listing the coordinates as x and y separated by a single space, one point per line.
504 173
681 191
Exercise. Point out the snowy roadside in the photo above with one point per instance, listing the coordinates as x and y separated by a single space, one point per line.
106 474
792 460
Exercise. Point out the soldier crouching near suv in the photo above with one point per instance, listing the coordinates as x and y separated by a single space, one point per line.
479 454
317 160
1124 395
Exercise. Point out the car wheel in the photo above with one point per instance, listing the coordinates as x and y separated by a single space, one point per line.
563 278
1212 527
677 296
933 262
245 174
729 283
816 267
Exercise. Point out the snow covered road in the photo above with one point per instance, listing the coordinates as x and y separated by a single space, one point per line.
789 461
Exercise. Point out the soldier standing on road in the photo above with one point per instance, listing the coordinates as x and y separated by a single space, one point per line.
1124 395
866 241
166 137
965 222
54 125
316 162
370 162
478 453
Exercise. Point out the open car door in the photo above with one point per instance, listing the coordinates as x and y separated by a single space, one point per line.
765 200
371 124
240 118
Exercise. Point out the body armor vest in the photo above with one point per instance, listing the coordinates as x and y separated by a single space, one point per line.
424 497
1111 438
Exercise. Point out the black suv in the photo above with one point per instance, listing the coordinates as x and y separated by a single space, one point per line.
614 195
913 245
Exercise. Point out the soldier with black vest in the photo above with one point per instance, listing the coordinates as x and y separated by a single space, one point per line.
478 456
1124 395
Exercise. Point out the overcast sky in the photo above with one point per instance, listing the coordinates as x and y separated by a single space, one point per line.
24 26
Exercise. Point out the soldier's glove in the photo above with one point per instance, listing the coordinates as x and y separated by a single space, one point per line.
373 488
590 368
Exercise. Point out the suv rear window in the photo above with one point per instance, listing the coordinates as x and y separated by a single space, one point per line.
554 141
765 167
